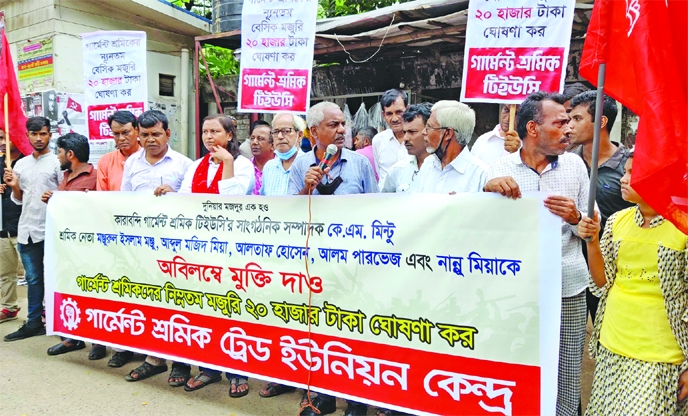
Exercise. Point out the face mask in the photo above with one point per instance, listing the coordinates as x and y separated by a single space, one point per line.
439 152
287 155
329 188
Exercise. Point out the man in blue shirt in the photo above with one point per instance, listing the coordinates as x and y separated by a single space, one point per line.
346 173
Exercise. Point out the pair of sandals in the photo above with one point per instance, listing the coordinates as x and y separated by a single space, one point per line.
180 374
205 379
97 351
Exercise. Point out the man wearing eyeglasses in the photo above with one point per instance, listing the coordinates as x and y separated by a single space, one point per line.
262 150
287 131
125 131
450 168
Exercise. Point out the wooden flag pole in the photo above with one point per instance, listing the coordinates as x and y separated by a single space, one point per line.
512 116
8 161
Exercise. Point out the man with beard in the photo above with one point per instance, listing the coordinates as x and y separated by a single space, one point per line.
346 173
125 131
542 165
403 174
388 145
29 179
79 175
451 168
262 150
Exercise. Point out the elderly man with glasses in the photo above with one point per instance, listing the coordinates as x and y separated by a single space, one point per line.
450 168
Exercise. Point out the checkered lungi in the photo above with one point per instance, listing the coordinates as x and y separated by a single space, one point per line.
571 345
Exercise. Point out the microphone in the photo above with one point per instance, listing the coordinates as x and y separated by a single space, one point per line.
329 153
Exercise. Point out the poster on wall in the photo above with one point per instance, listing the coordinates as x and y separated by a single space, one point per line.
35 64
515 50
277 56
114 76
2 19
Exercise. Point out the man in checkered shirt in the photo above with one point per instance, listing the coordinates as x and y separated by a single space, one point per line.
542 165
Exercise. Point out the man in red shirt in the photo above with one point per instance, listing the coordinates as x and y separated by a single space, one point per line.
79 175
125 131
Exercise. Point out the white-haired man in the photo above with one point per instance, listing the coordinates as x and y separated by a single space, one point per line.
346 173
287 131
450 168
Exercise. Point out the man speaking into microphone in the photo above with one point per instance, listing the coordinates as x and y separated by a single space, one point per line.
323 173
330 169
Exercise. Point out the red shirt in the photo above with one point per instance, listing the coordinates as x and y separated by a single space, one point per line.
83 181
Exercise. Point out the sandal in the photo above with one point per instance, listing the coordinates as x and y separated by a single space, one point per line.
235 382
62 348
144 371
275 389
204 378
179 370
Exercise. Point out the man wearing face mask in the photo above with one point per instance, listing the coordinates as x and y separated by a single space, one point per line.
287 131
450 168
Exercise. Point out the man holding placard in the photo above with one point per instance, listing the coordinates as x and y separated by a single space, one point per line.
542 164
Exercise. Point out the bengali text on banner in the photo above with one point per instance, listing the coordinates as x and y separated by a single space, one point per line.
114 77
277 41
446 304
513 50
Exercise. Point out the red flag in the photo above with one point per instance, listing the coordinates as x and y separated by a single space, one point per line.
643 43
8 85
71 104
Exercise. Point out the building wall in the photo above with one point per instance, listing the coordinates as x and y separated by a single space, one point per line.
66 20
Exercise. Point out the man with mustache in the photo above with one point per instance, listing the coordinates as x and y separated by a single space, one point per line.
29 179
404 173
388 145
451 168
160 170
125 131
262 150
542 164
346 173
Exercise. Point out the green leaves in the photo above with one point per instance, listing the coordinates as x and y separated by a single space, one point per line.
220 61
335 8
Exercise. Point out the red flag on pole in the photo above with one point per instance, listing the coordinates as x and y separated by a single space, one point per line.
9 86
643 43
73 105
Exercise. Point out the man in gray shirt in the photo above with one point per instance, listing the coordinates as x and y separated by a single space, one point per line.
31 177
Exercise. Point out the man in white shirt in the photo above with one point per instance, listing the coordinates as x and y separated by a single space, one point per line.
388 145
158 168
491 145
31 177
402 174
542 165
451 168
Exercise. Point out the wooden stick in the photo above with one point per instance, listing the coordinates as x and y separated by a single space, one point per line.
8 159
512 116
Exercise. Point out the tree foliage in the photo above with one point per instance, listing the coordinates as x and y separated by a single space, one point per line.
221 61
336 8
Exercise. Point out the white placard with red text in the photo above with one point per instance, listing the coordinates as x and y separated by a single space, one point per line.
114 76
515 48
277 40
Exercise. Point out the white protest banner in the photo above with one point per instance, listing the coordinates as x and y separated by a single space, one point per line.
277 42
453 316
115 77
515 48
